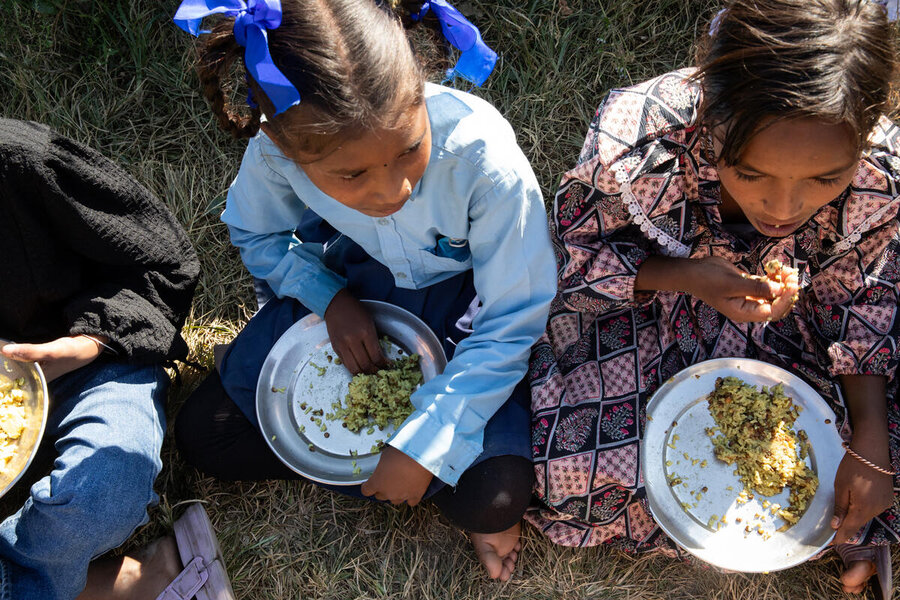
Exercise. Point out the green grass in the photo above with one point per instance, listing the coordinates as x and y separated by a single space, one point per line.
116 75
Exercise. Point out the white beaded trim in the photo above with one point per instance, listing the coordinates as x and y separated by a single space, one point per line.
851 240
669 245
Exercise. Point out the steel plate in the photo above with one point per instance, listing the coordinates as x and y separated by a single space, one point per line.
36 408
679 408
298 380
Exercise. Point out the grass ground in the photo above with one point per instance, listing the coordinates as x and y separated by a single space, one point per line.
117 75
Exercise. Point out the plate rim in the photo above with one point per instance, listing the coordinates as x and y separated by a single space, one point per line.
312 320
685 374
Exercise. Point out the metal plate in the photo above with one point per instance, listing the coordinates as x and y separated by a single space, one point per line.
297 373
36 408
679 408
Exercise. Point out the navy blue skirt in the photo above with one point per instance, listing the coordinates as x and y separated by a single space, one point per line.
448 307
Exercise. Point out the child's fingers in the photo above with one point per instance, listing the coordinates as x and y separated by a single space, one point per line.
747 310
782 305
345 353
374 352
758 288
29 352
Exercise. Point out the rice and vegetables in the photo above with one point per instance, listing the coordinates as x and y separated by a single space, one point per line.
382 398
13 417
754 431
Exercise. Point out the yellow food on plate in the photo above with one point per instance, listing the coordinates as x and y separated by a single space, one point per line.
756 435
12 417
382 398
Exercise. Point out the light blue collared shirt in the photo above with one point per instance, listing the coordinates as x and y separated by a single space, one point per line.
479 193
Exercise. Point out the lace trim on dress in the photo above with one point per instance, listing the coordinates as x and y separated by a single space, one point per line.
845 243
669 245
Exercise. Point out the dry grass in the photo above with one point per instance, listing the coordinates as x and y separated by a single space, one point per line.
116 75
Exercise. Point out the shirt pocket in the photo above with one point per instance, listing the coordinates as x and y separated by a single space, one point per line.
448 255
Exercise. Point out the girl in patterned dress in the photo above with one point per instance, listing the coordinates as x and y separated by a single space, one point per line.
774 148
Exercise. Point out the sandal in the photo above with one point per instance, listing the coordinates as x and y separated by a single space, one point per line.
204 576
880 555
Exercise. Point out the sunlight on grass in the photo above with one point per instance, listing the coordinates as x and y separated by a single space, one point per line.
117 75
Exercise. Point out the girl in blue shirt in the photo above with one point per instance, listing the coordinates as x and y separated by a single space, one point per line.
363 181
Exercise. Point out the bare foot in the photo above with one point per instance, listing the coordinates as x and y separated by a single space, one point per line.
857 574
498 551
141 576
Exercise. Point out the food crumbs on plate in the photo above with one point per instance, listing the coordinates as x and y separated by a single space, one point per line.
703 464
278 390
321 370
356 469
329 358
738 520
311 448
729 488
696 377
273 438
302 428
668 463
694 461
828 421
687 456
675 437
327 434
338 361
712 521
649 418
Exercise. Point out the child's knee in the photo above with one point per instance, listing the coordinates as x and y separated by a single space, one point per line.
95 505
491 496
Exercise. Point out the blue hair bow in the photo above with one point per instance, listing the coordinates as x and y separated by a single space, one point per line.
251 21
476 60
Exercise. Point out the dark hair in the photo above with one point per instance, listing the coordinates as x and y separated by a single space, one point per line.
771 60
350 60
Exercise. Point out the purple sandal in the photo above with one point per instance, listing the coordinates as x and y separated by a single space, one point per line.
204 576
880 555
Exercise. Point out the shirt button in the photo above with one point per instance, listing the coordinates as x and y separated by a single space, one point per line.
401 275
383 221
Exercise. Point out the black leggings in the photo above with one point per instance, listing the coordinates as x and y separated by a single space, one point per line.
214 436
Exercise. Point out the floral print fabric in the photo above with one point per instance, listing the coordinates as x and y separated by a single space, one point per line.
643 173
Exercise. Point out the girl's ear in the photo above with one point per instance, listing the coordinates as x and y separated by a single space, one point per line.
272 134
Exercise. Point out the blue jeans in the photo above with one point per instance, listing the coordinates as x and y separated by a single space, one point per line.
107 426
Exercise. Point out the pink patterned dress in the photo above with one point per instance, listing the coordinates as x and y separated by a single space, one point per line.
643 186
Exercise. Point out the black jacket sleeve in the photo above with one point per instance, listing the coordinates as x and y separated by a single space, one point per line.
141 269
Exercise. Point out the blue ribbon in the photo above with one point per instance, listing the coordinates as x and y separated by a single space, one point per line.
251 21
476 59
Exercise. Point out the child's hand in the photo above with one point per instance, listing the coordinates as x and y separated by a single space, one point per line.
397 479
737 296
352 333
58 357
861 492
